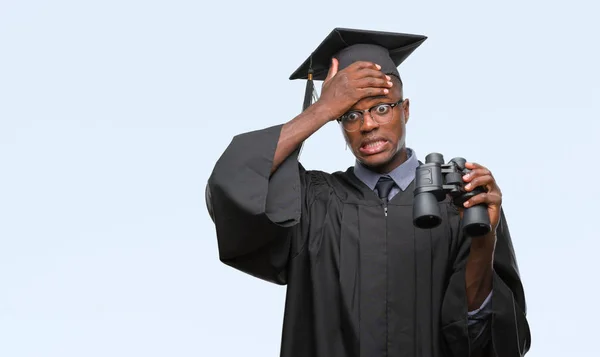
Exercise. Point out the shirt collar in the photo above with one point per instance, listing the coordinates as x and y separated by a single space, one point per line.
402 175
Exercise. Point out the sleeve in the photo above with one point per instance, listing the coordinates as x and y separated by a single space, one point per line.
504 330
479 326
484 307
256 214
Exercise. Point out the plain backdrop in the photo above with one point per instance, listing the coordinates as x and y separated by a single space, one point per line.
113 113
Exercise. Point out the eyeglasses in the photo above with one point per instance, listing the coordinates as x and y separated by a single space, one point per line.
381 113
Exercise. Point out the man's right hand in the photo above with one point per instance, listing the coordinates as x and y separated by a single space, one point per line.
342 90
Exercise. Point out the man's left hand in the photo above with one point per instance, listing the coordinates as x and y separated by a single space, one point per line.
481 176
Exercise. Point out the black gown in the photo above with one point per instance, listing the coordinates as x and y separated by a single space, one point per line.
359 284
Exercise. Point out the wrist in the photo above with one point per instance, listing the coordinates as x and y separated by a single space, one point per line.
325 111
486 242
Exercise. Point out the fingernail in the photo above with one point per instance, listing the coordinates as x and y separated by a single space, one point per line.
388 78
378 66
468 186
466 204
385 91
390 83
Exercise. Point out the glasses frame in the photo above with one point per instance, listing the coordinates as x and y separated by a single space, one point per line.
363 112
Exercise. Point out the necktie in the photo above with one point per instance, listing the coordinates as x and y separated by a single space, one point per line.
384 186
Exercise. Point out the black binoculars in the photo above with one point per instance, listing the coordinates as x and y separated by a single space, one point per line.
434 180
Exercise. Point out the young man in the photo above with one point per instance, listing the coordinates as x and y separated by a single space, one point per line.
362 280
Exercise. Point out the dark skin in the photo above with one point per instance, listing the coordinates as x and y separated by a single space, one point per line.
481 258
393 152
361 86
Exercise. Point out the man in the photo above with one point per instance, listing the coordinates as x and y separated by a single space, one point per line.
362 280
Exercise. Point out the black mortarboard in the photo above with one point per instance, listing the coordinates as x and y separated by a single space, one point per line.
387 49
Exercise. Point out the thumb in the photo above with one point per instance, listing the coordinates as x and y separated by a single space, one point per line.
333 69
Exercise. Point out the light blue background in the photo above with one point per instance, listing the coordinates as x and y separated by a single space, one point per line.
112 114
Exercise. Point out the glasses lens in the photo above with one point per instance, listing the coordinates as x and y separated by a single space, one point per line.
352 121
382 113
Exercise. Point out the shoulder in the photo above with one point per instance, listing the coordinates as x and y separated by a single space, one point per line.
318 179
320 183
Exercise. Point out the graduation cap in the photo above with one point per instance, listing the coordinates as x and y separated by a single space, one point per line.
387 49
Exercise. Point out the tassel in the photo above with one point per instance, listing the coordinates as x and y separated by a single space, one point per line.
309 93
310 96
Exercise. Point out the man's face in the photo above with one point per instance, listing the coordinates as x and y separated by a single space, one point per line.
375 145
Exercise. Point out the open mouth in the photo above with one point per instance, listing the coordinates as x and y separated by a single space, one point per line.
373 146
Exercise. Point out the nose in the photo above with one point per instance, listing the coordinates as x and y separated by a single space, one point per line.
368 122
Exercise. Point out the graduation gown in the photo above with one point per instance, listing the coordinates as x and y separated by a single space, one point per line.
359 283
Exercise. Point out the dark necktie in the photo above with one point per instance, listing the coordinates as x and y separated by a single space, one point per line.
384 186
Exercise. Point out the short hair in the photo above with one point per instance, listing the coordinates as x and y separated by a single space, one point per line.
397 82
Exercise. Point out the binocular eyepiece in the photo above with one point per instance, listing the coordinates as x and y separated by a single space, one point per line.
433 181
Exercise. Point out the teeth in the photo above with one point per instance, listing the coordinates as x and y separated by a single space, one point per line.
374 144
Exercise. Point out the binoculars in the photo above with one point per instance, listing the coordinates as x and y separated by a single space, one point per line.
433 181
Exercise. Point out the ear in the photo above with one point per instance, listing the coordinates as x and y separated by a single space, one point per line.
344 134
405 107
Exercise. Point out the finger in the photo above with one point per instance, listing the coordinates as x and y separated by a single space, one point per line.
359 65
333 69
486 180
370 73
371 92
490 199
474 165
476 173
371 82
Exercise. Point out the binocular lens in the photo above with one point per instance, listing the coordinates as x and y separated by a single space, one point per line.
476 221
426 211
